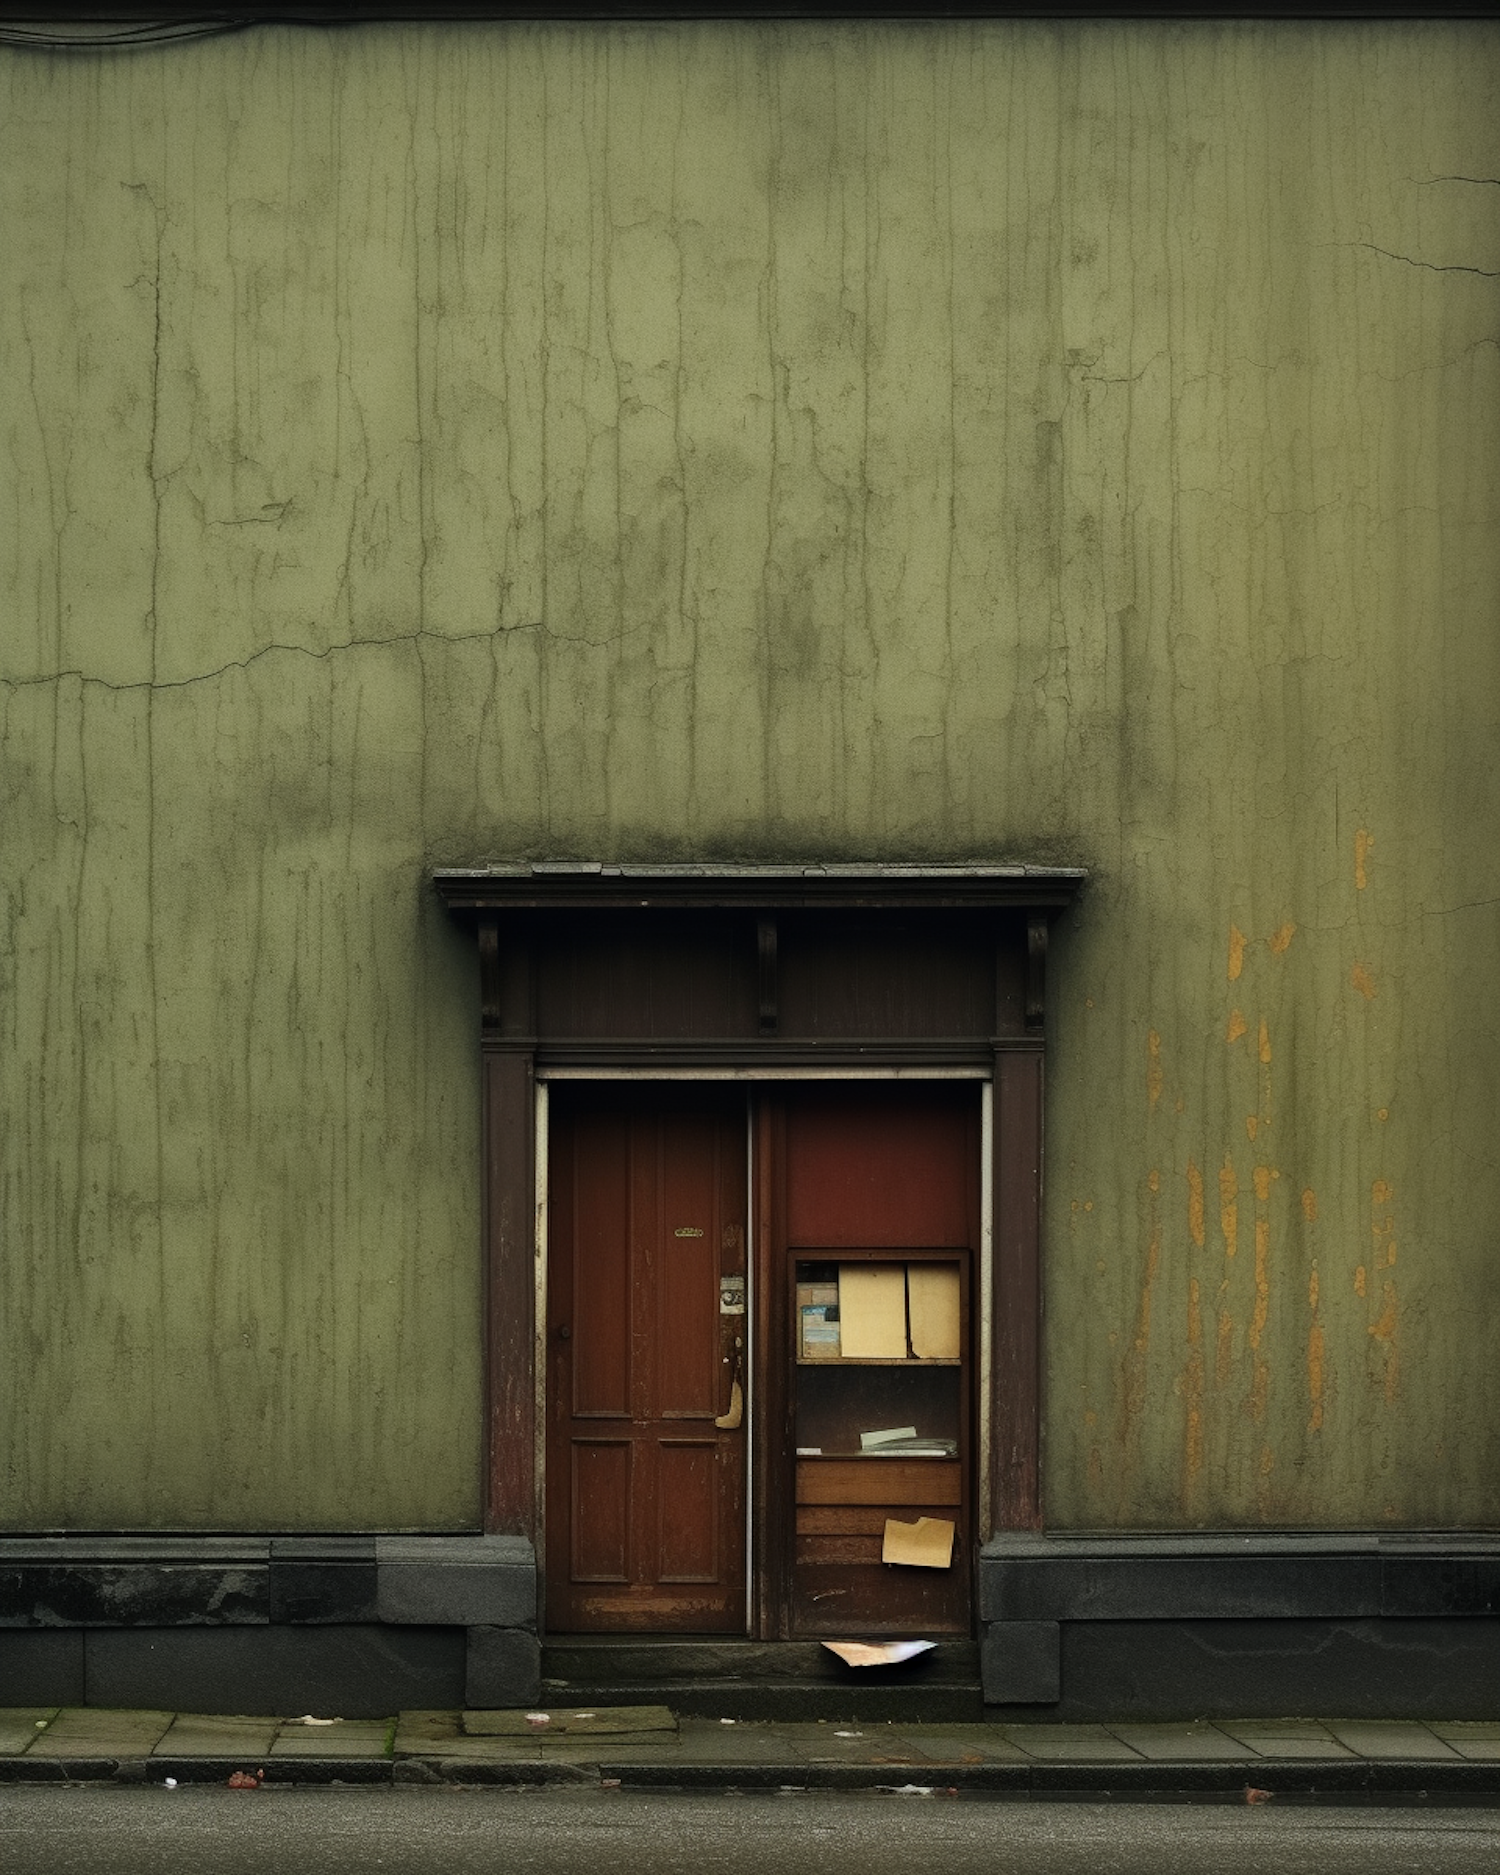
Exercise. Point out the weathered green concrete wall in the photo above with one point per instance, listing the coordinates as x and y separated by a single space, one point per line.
426 446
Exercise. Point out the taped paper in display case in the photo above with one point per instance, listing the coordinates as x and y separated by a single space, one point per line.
925 1544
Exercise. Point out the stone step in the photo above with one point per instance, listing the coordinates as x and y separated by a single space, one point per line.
603 1658
946 1703
742 1679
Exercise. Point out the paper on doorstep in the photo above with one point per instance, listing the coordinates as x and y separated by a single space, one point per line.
872 1311
932 1307
925 1544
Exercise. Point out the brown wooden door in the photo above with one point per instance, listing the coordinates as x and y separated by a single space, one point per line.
645 1494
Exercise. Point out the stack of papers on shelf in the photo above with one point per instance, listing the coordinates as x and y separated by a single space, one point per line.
903 1442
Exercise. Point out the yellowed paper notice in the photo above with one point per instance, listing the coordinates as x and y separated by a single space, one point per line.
925 1544
872 1311
932 1305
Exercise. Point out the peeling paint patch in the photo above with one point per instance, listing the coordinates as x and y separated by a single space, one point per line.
1236 952
1360 977
1237 1026
1363 841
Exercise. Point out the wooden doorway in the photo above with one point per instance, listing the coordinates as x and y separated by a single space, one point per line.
646 1330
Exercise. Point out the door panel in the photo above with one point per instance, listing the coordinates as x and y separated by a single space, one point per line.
645 1495
600 1480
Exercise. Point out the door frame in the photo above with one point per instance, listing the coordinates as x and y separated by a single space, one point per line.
750 1078
759 973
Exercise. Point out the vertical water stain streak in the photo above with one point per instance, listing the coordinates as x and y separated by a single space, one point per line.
1135 1363
1192 1383
1315 1355
1261 1376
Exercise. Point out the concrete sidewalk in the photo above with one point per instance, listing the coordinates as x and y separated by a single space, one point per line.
649 1746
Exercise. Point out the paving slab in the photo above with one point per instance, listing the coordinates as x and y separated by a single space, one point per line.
21 1726
1286 1738
422 1732
216 1735
1189 1744
963 1744
705 1741
1078 1744
1389 1738
95 1732
344 1738
1477 1740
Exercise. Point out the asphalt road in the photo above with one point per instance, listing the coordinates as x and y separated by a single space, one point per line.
150 1831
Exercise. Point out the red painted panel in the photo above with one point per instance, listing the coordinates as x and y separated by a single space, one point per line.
879 1165
686 1519
686 1295
600 1258
601 1494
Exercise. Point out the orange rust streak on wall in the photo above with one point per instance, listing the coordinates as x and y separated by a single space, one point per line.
1279 940
1310 1205
1236 952
1359 1280
1153 1067
1363 841
1360 977
1264 1048
1195 1204
1237 1026
1384 1330
1229 1211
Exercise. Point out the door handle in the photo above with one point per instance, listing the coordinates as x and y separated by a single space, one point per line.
731 1421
